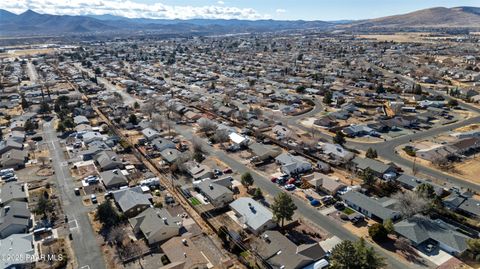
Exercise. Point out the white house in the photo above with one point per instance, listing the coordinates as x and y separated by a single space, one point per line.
256 217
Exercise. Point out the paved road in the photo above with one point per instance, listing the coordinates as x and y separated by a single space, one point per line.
32 72
304 209
127 98
85 246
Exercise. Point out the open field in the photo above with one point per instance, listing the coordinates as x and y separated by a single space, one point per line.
24 52
400 37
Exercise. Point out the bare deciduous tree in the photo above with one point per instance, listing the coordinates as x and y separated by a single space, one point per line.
149 107
117 235
221 136
442 162
206 125
410 203
157 121
43 160
197 145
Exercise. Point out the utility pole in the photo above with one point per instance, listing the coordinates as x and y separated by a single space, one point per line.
414 167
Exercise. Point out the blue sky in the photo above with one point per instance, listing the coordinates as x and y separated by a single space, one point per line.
329 9
228 9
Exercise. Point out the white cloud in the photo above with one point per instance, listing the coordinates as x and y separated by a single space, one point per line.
131 9
220 2
280 11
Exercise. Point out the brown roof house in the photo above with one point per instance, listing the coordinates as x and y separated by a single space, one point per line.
324 183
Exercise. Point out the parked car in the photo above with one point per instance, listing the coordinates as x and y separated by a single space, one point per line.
274 179
217 172
91 179
339 206
290 187
10 178
6 171
77 191
93 197
314 202
227 171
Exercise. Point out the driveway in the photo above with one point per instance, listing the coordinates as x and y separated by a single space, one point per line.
437 257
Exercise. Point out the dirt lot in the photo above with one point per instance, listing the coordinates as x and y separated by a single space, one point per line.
57 247
468 169
400 37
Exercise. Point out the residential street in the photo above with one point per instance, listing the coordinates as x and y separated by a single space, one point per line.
304 209
87 250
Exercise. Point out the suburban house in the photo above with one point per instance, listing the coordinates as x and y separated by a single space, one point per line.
238 140
170 155
198 171
410 183
108 160
420 230
470 207
377 209
113 179
463 204
282 132
293 165
218 195
9 144
359 130
156 225
150 134
255 217
17 136
280 252
183 254
13 191
263 152
378 168
336 152
17 245
132 201
15 218
323 183
80 120
162 144
13 159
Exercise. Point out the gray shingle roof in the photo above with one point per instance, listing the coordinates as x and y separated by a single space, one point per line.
131 197
212 190
16 245
419 228
12 191
280 252
154 220
113 177
376 166
255 215
377 207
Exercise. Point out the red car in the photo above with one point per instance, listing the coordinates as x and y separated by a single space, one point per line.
291 181
227 171
274 179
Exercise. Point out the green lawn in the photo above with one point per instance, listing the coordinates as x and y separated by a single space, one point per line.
195 201
348 211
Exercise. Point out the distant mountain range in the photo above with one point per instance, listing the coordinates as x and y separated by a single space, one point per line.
33 23
466 17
